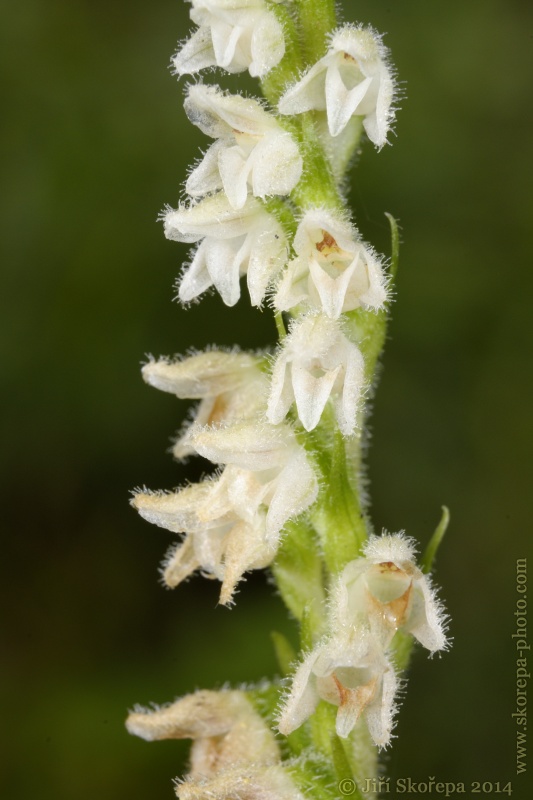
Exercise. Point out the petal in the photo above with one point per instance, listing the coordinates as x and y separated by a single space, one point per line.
196 54
180 563
225 41
427 620
293 287
342 103
331 291
296 489
234 171
249 445
380 713
220 115
303 697
281 390
196 278
353 703
312 394
175 511
376 294
224 261
268 251
267 44
245 549
277 165
206 179
194 716
202 375
308 93
347 405
213 216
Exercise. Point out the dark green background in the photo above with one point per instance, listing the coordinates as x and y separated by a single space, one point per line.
94 143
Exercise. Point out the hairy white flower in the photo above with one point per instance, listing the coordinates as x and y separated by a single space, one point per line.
233 34
387 591
226 729
252 151
233 523
229 385
333 270
218 542
350 670
248 241
255 783
266 468
353 78
317 362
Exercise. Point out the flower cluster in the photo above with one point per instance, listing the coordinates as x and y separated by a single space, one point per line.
264 202
232 522
374 597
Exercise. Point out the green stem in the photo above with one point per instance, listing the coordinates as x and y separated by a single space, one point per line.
276 81
317 19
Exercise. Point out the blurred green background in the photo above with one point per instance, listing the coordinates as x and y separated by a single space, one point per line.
94 143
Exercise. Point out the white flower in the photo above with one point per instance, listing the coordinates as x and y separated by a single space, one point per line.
317 362
233 34
353 78
229 385
221 545
226 730
251 151
266 468
386 589
248 242
333 271
351 671
238 783
233 522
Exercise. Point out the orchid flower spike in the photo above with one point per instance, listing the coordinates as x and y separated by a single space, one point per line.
386 589
352 79
252 150
229 385
333 270
233 243
233 34
317 362
350 670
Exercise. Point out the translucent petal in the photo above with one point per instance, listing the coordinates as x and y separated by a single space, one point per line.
308 93
205 178
196 54
203 375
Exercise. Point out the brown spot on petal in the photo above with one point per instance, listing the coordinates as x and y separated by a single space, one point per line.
389 566
348 57
398 610
358 698
328 243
